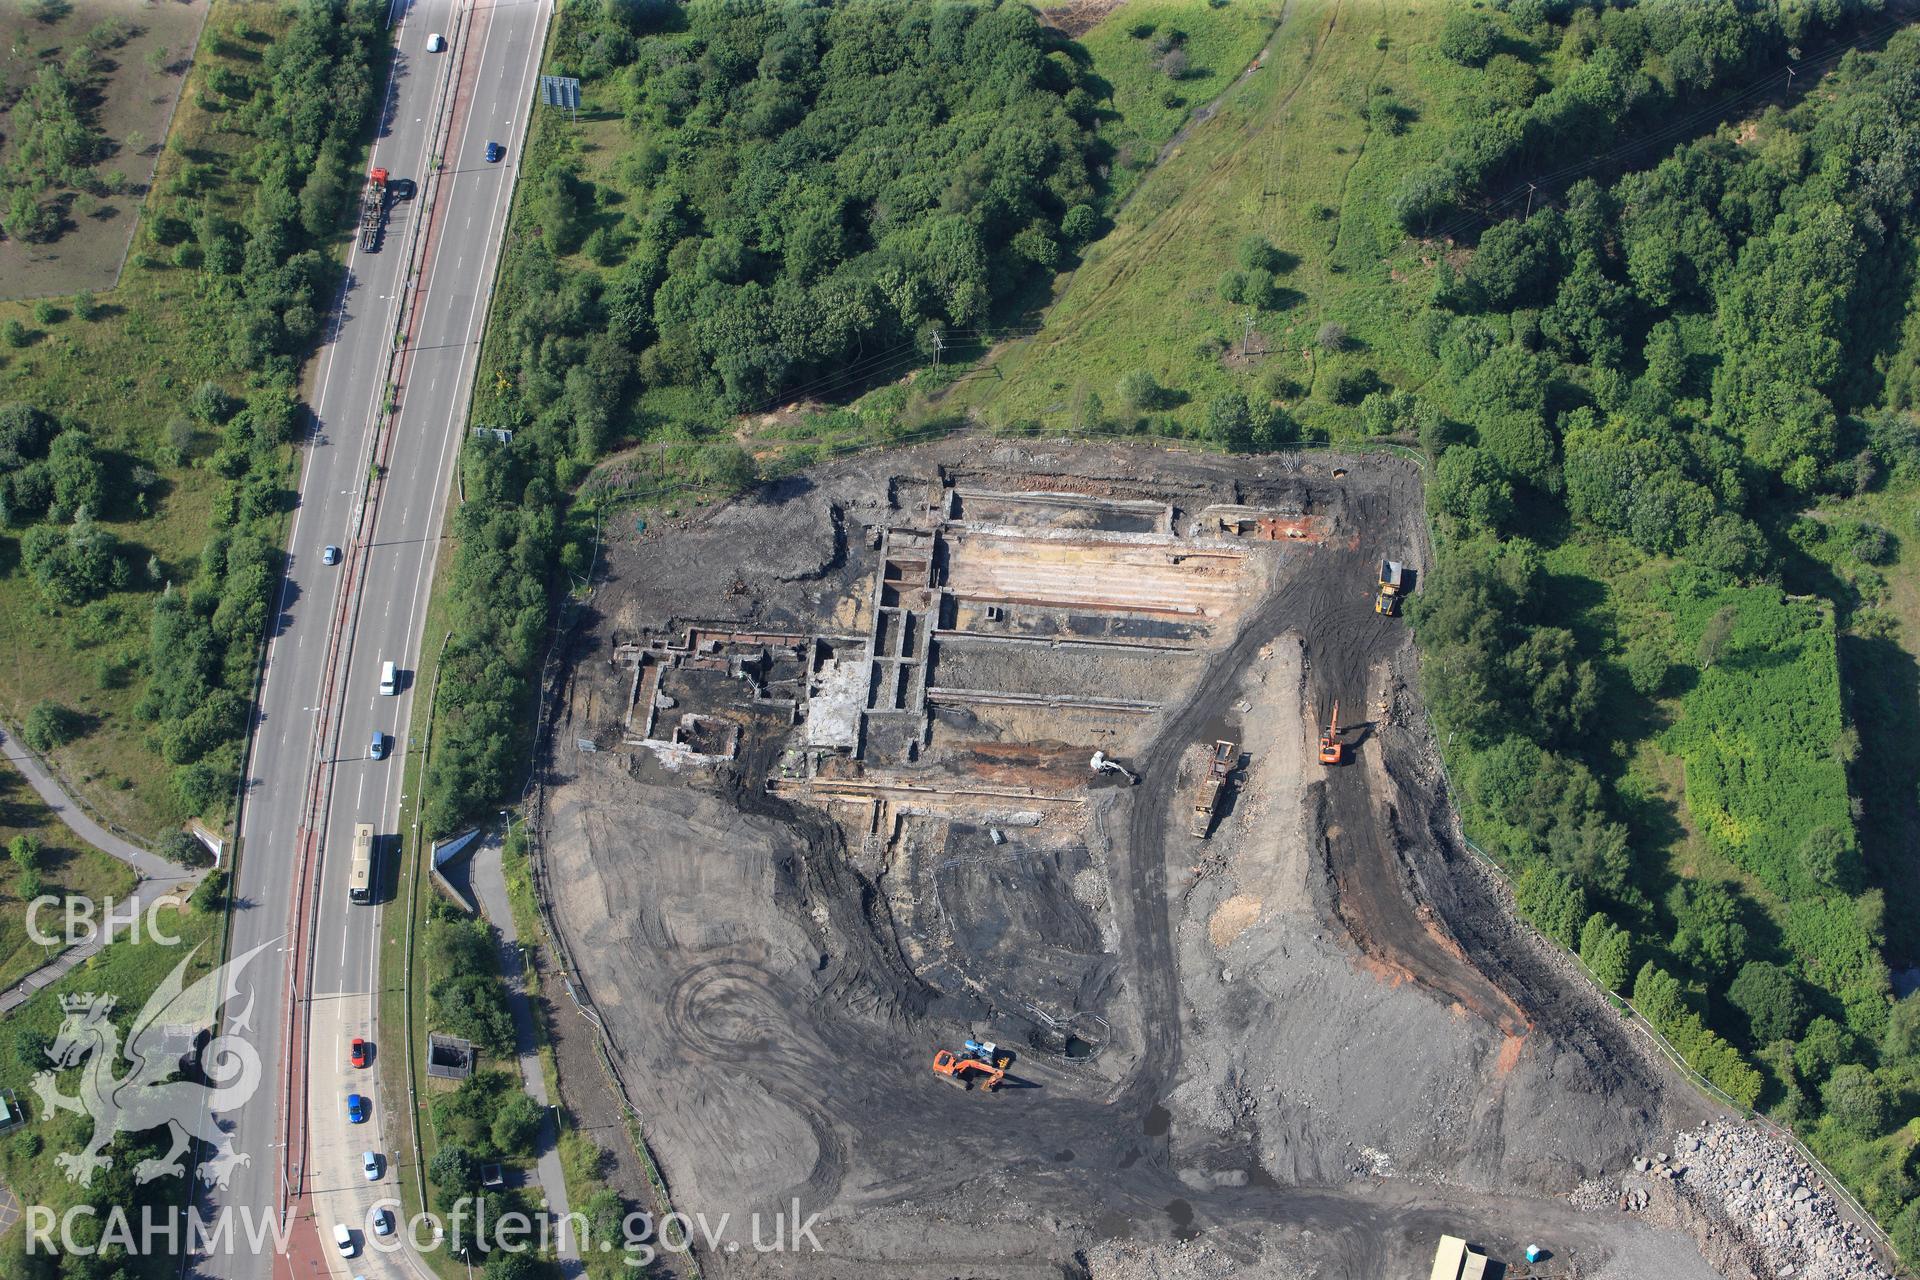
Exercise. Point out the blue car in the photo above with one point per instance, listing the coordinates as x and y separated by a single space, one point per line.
494 152
358 1109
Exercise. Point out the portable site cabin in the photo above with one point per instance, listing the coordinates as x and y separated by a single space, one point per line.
1456 1260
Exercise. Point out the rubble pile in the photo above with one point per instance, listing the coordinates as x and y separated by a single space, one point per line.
1173 1260
1751 1199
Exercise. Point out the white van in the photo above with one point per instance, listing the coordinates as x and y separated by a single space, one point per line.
389 679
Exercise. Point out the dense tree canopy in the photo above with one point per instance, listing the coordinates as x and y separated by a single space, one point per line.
822 179
1634 66
1649 372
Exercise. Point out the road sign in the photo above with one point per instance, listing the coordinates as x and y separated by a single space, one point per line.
560 91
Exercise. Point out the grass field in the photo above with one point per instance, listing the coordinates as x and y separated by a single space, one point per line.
68 868
131 971
1147 105
135 96
126 374
1289 156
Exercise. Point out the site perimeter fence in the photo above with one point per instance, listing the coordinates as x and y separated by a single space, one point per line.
607 1048
532 825
1637 1020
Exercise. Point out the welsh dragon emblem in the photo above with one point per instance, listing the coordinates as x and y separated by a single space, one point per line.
146 1097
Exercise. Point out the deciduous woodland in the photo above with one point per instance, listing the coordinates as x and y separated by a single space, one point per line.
1652 379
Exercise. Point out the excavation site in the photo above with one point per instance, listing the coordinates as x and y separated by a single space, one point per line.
1034 869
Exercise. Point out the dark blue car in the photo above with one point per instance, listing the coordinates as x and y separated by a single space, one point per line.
494 152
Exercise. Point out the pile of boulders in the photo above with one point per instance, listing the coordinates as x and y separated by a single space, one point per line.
1168 1260
1751 1199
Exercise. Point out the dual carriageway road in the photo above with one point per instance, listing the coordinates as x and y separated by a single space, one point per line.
377 485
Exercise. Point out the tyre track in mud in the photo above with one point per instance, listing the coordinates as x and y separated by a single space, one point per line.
1407 891
1451 941
719 991
1163 229
1305 603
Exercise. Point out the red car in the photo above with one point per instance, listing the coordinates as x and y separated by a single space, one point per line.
357 1052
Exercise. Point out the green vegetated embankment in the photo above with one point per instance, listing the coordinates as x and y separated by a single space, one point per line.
489 1119
145 467
1669 400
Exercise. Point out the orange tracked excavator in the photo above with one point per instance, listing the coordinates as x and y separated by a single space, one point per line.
1332 750
977 1064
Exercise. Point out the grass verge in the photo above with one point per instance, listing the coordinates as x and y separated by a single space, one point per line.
65 867
130 972
402 1011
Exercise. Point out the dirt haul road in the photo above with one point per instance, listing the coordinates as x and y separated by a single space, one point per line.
800 855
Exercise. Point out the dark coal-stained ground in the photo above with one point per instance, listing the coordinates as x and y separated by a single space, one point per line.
1373 1055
